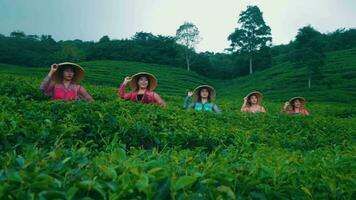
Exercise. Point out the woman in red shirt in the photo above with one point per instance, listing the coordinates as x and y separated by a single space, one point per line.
142 85
62 83
295 105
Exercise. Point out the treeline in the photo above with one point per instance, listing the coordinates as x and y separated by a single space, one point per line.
337 40
38 51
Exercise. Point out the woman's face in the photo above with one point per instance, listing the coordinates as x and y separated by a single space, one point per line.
68 74
143 82
253 99
204 93
297 103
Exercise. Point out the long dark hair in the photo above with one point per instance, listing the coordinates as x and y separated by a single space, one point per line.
199 95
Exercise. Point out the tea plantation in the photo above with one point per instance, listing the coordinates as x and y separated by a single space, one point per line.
114 149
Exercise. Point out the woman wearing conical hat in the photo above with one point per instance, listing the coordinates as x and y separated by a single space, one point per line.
252 103
295 105
142 85
203 97
62 83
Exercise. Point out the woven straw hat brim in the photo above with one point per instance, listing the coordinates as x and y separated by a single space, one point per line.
302 100
258 94
79 72
151 79
211 90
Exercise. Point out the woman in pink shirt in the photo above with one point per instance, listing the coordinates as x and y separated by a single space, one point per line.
62 83
142 85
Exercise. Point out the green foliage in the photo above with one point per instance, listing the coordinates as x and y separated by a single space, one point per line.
252 35
71 52
284 81
341 39
188 35
40 51
115 149
309 52
262 60
278 83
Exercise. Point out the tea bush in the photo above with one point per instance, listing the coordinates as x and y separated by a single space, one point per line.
115 149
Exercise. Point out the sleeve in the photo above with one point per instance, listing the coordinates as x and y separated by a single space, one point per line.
47 86
84 94
186 102
284 109
122 94
216 108
158 99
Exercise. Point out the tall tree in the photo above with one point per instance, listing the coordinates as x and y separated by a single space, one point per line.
251 35
188 35
309 52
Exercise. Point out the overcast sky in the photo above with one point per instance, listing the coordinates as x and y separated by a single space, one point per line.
216 19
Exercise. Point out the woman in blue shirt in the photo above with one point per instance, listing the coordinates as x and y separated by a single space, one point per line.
203 97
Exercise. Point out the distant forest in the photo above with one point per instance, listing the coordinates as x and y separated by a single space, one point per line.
19 48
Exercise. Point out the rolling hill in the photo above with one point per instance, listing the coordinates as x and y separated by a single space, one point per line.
115 149
285 80
278 83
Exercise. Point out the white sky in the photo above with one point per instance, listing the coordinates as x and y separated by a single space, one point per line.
92 19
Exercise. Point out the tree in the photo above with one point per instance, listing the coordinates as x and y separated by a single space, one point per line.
104 39
309 52
69 52
188 35
252 35
143 36
18 34
341 39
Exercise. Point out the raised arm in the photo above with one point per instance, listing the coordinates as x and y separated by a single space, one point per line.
122 93
244 105
47 85
284 107
187 103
